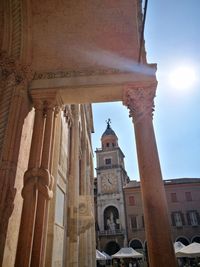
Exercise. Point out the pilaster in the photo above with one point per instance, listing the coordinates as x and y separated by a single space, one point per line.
14 106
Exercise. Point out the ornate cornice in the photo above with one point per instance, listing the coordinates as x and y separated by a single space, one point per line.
139 101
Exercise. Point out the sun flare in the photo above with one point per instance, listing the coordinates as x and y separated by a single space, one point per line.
183 77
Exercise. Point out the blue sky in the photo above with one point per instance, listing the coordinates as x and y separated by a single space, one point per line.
172 40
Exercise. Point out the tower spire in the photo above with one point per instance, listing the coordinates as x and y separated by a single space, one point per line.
109 138
108 121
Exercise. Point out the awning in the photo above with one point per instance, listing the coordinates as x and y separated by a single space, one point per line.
127 253
190 251
100 256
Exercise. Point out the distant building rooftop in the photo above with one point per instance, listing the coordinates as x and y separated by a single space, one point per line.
134 183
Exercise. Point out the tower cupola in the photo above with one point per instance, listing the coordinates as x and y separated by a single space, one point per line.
109 138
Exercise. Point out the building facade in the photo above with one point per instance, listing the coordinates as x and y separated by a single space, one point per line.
182 195
57 55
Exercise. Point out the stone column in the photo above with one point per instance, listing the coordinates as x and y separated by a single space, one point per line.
73 201
30 191
44 185
140 102
38 184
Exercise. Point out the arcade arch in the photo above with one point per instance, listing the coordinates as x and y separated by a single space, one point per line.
184 240
112 247
136 244
196 239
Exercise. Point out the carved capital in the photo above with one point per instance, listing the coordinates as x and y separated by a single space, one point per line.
139 101
13 71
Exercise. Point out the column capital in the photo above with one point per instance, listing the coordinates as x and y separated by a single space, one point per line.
49 99
12 69
139 101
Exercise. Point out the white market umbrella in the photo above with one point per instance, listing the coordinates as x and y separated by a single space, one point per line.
190 251
100 256
127 253
178 246
108 257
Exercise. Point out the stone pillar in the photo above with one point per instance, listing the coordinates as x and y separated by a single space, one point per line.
37 188
29 193
73 201
140 102
44 185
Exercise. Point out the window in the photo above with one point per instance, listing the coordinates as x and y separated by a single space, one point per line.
174 197
133 222
60 199
107 161
192 217
188 196
177 219
131 200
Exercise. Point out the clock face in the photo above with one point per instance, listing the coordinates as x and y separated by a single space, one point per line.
109 182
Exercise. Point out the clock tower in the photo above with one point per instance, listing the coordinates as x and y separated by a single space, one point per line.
111 177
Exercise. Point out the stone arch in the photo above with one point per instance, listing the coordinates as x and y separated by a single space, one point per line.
112 247
184 240
196 239
136 244
111 218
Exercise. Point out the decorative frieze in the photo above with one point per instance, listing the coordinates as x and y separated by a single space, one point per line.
139 101
73 73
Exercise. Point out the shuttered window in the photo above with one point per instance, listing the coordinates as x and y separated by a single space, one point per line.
177 219
193 218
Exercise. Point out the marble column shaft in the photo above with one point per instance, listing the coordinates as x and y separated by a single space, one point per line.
157 227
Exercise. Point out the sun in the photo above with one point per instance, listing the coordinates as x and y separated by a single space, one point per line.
183 77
